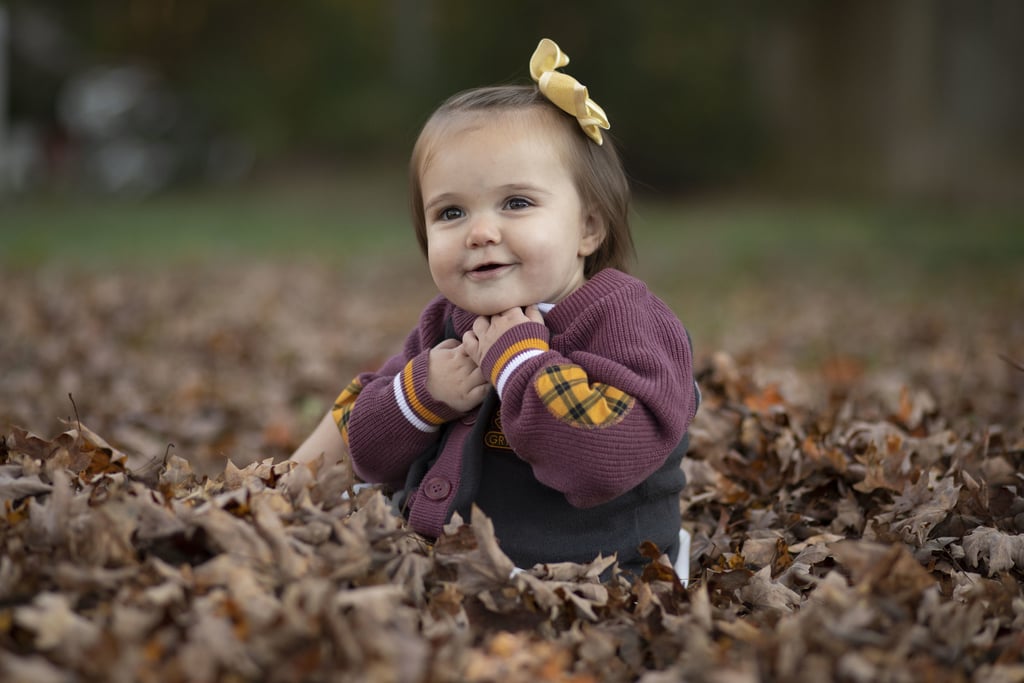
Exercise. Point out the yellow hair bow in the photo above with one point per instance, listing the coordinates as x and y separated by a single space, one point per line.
564 91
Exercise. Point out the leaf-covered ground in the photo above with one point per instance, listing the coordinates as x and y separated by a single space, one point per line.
854 495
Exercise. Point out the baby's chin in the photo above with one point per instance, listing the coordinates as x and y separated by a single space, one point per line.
477 308
492 311
491 303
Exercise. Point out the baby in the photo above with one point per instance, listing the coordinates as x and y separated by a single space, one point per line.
543 383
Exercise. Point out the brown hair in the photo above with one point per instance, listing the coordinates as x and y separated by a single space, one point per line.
597 169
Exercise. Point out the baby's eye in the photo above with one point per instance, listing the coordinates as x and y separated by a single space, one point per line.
451 213
517 203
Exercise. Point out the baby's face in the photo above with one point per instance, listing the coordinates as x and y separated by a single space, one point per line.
505 224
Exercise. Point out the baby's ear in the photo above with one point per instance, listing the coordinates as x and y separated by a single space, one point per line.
595 229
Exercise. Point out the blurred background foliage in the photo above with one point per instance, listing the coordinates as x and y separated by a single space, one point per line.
914 98
205 199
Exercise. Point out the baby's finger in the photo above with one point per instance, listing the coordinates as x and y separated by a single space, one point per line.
470 344
534 314
478 393
477 377
448 344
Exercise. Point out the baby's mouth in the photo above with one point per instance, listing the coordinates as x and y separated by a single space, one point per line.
488 271
487 267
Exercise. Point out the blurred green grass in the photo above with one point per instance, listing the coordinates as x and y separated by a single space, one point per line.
724 244
763 239
737 272
328 222
726 267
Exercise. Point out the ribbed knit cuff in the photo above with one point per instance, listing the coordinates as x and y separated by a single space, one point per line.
515 347
421 409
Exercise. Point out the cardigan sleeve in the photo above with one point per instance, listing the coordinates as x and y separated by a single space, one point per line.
601 408
388 418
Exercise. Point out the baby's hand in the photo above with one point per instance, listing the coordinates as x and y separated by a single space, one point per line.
454 378
487 330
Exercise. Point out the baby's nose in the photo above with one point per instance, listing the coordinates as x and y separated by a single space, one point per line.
483 231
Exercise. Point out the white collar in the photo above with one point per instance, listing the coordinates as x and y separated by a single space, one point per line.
545 308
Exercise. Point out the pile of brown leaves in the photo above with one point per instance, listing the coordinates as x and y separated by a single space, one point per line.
850 523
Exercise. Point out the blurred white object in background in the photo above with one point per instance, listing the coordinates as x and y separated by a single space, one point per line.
123 122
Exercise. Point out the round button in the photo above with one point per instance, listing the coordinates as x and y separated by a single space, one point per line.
437 488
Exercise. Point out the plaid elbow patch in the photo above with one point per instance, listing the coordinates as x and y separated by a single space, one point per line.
343 407
568 394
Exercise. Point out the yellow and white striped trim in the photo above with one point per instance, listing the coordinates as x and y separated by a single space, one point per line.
513 357
418 415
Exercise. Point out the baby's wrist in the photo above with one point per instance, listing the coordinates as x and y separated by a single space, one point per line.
412 389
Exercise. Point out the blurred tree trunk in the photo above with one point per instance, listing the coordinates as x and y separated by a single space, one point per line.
910 141
982 96
415 56
4 40
916 96
955 97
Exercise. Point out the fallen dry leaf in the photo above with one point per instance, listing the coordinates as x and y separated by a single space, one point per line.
996 550
854 498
